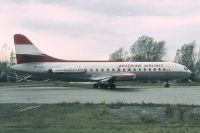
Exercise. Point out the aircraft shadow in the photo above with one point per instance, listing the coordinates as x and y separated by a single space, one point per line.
124 89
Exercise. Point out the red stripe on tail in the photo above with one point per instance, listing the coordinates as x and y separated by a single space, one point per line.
21 39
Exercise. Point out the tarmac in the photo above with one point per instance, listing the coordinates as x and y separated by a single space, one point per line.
189 95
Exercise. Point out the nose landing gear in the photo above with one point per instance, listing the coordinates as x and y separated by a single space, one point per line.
167 85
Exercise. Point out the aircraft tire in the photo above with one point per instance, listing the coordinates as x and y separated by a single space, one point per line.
167 85
95 86
103 86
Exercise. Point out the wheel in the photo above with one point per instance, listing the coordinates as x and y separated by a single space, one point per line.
95 86
167 85
103 86
112 86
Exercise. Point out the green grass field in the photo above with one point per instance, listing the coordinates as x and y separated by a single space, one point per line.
98 118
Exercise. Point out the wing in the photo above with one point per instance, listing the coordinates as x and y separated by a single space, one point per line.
115 77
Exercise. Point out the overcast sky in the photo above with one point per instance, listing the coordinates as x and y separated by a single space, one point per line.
92 29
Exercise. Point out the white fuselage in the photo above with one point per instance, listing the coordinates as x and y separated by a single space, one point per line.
87 71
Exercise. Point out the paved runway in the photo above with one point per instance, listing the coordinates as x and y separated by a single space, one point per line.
136 94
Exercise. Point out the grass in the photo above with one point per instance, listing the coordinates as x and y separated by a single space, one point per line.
97 118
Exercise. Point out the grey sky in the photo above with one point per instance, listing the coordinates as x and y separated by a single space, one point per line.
92 29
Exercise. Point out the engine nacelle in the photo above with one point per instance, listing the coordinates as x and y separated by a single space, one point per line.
68 70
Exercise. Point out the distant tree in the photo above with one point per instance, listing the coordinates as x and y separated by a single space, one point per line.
189 56
5 53
4 70
119 55
146 49
12 58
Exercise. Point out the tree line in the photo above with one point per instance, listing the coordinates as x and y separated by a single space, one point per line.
146 49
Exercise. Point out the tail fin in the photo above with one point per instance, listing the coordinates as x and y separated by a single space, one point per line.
27 52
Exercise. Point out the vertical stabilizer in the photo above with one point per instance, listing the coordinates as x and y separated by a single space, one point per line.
27 52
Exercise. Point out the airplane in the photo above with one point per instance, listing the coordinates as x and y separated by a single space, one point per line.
103 73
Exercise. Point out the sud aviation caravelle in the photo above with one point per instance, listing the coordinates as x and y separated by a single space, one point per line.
103 73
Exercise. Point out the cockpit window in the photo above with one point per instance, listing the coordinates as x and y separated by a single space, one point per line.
186 68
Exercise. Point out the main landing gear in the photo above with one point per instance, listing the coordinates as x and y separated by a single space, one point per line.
104 86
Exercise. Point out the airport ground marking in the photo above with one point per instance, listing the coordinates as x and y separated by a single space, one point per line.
29 108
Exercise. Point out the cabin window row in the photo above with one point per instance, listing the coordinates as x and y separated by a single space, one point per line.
145 69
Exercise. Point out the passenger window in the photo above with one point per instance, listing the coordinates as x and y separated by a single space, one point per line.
108 69
91 70
97 70
149 69
144 69
134 69
159 69
118 69
124 69
113 69
129 69
154 69
164 69
102 69
139 69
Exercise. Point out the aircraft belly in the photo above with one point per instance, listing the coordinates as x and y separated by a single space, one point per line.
158 75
